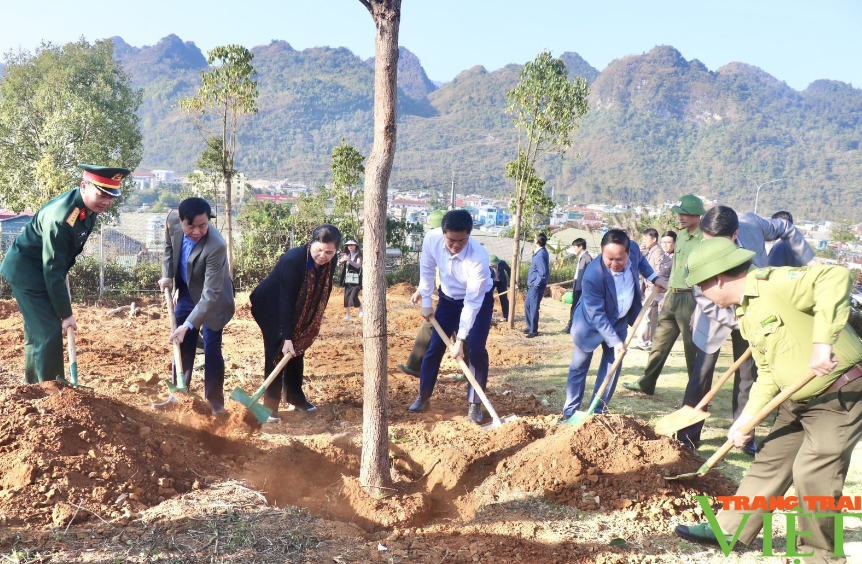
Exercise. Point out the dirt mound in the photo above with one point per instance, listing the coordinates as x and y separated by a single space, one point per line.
401 290
609 463
67 455
7 308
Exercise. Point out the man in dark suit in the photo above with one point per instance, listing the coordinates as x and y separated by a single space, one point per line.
537 281
501 273
195 263
584 259
610 302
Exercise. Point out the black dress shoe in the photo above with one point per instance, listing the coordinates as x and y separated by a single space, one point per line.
751 448
306 407
532 335
474 414
567 329
525 330
420 405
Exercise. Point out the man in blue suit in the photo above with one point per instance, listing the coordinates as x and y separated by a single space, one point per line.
537 281
610 302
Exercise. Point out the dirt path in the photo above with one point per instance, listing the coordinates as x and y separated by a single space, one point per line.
122 472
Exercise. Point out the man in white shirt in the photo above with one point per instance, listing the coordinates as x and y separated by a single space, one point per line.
465 306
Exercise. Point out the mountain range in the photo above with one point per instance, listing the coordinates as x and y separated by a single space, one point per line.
659 126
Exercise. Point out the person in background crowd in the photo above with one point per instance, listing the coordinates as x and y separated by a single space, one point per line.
501 272
351 277
661 263
781 253
668 242
537 281
465 306
584 258
195 263
289 305
675 315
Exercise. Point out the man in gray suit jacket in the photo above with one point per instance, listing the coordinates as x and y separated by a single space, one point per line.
661 262
584 258
712 325
195 262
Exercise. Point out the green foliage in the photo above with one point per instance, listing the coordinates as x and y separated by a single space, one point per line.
537 207
666 221
61 106
347 170
402 234
207 176
265 237
119 280
307 214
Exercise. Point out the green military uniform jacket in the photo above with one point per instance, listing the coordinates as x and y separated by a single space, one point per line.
45 250
685 242
786 310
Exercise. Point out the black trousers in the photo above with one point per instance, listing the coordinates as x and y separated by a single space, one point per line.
290 378
700 382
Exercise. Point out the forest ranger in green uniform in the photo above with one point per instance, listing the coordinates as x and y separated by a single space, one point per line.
795 319
41 256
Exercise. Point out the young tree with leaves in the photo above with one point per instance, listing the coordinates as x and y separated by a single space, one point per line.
546 109
536 205
61 106
374 465
227 94
347 170
208 176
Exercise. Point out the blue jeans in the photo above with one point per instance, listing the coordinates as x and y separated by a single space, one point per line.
448 315
531 306
213 359
578 378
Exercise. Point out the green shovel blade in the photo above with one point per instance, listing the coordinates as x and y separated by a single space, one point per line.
699 472
260 411
174 389
579 417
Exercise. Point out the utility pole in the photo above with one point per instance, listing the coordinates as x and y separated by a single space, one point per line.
452 205
759 186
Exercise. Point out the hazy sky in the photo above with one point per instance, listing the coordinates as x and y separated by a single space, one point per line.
796 41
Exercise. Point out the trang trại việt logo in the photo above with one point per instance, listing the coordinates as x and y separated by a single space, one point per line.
813 507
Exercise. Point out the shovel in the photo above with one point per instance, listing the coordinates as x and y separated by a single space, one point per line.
180 386
687 415
73 355
758 417
260 411
73 363
496 421
580 417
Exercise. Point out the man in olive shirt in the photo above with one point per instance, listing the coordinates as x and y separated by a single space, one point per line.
795 320
678 307
40 258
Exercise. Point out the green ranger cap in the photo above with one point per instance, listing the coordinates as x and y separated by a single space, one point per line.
711 257
689 205
493 260
435 219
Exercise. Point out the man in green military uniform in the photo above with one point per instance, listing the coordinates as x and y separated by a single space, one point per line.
41 256
678 306
795 319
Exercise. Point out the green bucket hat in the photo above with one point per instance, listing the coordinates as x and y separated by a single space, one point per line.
435 219
689 205
711 257
493 260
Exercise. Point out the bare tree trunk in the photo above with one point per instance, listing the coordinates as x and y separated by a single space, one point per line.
227 208
374 471
516 263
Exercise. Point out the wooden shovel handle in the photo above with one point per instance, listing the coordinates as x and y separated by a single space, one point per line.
733 368
467 372
650 299
178 357
276 371
73 355
761 415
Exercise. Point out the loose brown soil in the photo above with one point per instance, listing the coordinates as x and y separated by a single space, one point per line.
106 455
